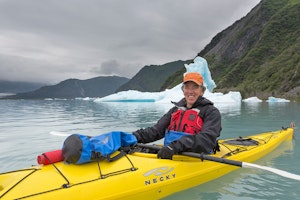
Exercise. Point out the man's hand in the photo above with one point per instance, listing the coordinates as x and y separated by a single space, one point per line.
137 135
166 152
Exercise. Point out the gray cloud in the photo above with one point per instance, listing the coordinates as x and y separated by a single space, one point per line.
113 67
54 40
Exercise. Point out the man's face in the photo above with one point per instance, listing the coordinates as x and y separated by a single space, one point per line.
191 92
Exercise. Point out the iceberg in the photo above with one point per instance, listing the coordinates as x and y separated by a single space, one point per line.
5 94
175 94
276 100
85 98
252 100
131 96
200 66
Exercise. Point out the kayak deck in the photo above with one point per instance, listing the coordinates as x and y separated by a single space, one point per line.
136 175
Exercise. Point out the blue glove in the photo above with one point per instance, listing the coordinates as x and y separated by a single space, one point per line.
166 152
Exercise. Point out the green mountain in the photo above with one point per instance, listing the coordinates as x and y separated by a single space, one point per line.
72 88
151 78
259 55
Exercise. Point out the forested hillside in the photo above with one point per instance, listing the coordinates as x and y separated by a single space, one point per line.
151 78
259 55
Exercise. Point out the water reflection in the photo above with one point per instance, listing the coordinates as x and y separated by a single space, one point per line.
230 109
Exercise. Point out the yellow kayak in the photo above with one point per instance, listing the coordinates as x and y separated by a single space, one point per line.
136 175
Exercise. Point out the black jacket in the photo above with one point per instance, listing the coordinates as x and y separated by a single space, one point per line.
204 141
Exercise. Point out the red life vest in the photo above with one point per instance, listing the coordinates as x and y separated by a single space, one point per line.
187 121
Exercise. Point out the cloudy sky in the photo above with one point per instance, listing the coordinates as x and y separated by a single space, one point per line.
50 41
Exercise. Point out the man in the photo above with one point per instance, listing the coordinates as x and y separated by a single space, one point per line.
193 124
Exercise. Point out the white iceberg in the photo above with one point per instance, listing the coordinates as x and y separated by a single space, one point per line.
276 100
200 66
175 94
252 100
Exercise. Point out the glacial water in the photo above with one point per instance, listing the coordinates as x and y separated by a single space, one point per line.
30 127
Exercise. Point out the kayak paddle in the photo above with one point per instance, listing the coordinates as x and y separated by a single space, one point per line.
242 164
230 162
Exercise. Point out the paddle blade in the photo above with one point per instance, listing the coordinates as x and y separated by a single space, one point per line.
273 170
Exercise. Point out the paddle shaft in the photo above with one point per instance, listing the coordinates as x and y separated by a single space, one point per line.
197 155
212 158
